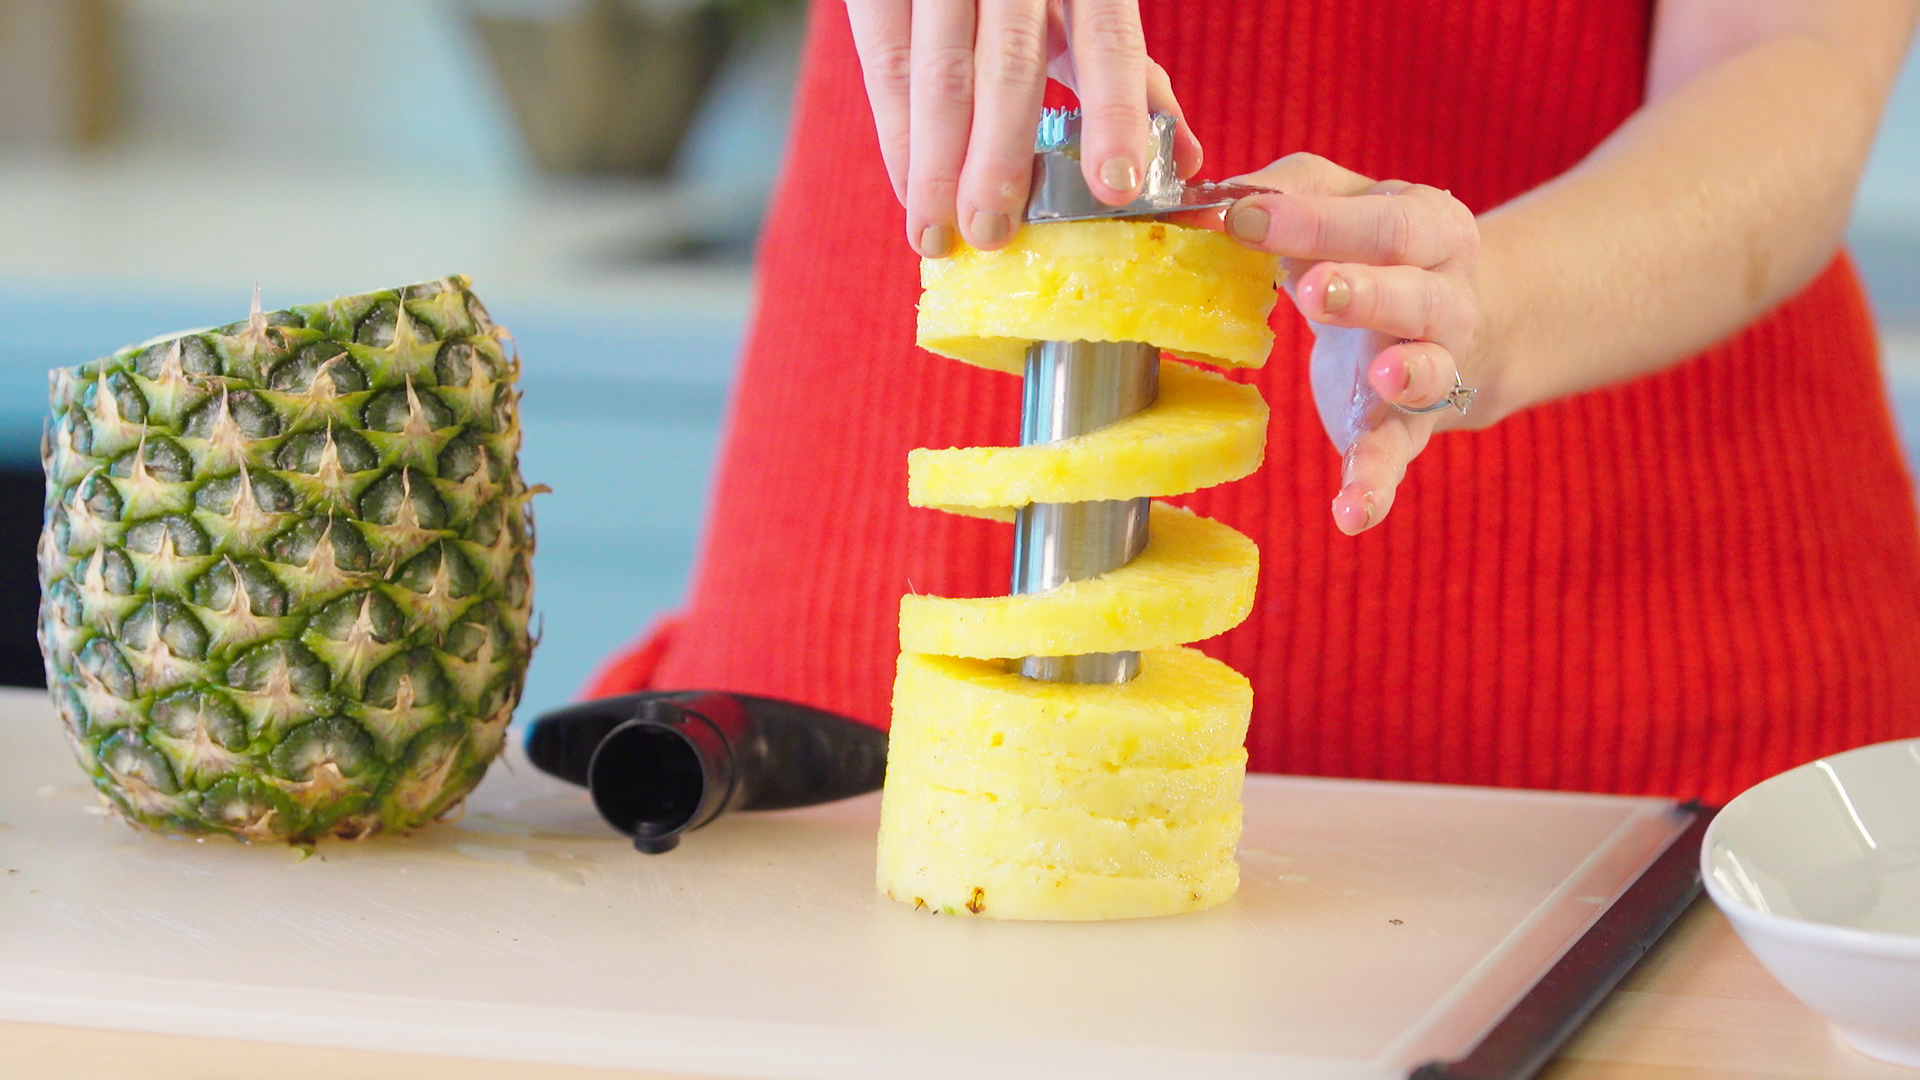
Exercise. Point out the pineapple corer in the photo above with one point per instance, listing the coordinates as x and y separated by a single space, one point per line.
1060 753
1073 388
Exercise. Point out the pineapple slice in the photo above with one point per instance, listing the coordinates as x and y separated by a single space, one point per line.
1192 292
1201 431
1194 580
932 876
1064 838
1184 708
1174 796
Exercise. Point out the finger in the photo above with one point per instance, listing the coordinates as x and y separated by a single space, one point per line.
1059 56
1010 76
940 108
1187 154
1418 226
1307 174
1375 465
1413 374
1398 301
1110 65
881 30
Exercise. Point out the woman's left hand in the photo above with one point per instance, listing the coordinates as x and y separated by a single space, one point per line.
1384 272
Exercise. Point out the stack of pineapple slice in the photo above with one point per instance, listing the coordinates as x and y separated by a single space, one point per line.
1019 799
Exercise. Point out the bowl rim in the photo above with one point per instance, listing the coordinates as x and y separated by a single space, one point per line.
1878 943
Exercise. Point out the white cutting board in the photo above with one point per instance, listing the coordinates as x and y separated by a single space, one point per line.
1378 926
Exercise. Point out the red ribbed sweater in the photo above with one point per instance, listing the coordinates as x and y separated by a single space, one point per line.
1681 585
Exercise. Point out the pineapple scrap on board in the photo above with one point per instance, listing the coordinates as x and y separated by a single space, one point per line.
1014 798
285 574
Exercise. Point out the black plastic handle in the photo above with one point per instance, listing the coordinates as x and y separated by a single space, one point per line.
663 763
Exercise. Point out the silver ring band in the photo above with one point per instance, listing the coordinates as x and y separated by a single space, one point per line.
1459 398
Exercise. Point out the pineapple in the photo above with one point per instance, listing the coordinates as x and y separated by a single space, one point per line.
1194 293
1013 798
1202 431
285 573
1026 800
1194 580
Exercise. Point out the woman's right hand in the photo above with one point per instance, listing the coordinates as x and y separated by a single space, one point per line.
956 87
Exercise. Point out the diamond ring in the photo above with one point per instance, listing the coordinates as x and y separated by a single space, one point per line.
1459 398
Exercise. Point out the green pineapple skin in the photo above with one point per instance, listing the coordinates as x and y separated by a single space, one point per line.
286 571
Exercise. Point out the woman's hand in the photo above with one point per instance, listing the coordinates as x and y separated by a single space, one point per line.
956 87
1385 273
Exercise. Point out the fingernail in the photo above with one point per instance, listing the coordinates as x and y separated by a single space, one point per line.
1391 380
936 241
1353 517
1337 295
1120 174
990 227
1248 223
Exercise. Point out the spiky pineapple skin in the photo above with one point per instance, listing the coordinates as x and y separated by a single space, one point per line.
286 576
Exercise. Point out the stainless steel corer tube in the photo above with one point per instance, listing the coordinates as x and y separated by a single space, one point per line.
1075 387
1072 388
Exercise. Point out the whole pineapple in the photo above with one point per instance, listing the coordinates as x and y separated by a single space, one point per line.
285 573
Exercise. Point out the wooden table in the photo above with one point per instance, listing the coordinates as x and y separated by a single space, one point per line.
1699 1008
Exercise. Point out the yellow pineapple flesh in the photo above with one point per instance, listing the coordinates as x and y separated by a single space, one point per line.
1202 430
1194 580
1014 798
1192 292
1025 800
1185 708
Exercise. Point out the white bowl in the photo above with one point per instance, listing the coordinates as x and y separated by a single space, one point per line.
1819 871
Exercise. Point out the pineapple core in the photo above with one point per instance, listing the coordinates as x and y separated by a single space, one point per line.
1018 799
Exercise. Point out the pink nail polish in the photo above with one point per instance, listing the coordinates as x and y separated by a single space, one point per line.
1389 379
1350 518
